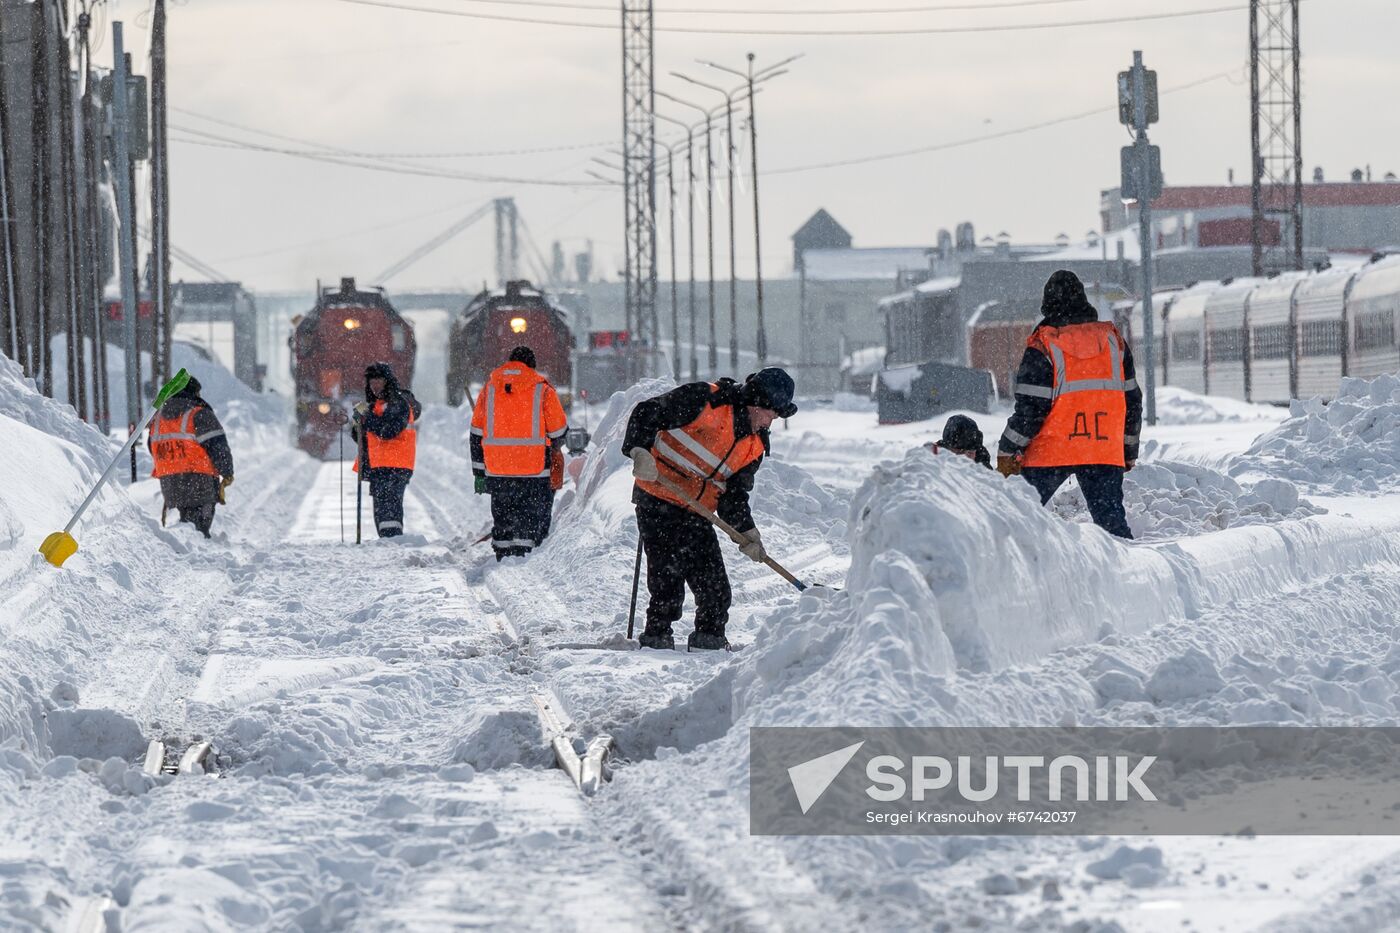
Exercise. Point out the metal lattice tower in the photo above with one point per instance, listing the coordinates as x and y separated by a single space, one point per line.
639 171
1276 133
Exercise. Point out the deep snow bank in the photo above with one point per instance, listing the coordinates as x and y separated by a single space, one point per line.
1182 406
1351 444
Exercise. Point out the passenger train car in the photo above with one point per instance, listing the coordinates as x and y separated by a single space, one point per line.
1270 340
494 323
331 344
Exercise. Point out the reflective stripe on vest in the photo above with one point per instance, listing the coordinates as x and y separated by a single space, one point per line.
398 452
508 449
176 449
1088 410
700 457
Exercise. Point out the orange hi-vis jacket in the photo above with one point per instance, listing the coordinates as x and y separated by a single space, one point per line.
701 457
399 452
518 419
1088 411
176 449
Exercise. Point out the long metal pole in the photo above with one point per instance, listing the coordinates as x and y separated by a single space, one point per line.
1144 153
675 308
690 224
126 245
160 195
42 194
710 239
733 273
762 346
10 326
101 391
77 343
1297 145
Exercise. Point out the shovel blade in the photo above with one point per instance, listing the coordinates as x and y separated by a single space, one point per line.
58 547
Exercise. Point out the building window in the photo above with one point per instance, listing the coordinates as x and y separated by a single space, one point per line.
836 312
1320 338
1375 329
1227 346
1271 342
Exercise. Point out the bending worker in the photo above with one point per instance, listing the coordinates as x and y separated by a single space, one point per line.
1078 406
192 457
701 442
388 418
518 427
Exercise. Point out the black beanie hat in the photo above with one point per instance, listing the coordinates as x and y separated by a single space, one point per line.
379 371
961 433
771 388
1064 294
523 355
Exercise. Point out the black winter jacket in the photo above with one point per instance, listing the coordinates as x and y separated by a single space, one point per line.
1037 370
186 490
680 407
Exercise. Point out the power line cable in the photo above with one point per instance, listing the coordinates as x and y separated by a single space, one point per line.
844 33
769 11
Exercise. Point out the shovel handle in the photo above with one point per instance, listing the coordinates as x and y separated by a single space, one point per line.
728 529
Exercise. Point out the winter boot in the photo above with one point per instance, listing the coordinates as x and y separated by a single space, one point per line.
661 641
707 641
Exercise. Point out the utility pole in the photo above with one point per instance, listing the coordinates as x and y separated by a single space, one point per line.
639 177
1142 181
126 231
762 340
77 330
160 196
671 218
10 325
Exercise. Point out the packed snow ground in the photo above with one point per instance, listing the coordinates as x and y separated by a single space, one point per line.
372 707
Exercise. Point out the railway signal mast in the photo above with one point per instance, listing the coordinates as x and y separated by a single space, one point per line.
1276 136
639 180
1142 182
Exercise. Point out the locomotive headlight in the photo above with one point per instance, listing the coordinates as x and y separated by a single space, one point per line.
352 323
518 325
324 408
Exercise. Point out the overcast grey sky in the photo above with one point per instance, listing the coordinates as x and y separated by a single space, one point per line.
370 79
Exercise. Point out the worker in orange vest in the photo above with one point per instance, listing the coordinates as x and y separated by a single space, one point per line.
191 457
388 419
517 432
1078 406
706 440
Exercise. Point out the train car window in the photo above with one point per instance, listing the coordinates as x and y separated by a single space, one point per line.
1375 329
399 339
1186 346
1271 342
1227 345
1321 338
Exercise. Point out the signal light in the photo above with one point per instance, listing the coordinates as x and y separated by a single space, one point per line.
352 323
518 325
324 408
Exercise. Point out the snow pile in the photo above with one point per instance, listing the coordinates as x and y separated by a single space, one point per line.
1351 444
1181 406
1167 499
21 401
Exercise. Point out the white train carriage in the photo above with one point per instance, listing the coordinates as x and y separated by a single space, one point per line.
1271 339
1319 308
1186 337
1226 311
1371 310
1128 314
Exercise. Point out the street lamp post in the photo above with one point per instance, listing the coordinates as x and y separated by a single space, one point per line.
709 216
752 78
671 211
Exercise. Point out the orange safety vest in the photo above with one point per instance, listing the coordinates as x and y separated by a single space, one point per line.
1088 411
701 457
519 419
176 449
399 451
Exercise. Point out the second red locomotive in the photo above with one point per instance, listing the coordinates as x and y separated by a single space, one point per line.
331 345
495 322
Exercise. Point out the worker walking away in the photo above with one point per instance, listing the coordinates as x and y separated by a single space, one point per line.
388 421
517 433
963 437
192 457
706 440
1078 406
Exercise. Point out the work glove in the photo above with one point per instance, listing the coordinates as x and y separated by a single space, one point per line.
752 548
479 487
1008 466
1129 465
225 483
644 465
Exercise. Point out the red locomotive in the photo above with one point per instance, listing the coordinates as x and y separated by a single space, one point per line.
331 345
495 322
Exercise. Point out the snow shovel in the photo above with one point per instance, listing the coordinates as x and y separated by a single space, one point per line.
61 545
728 529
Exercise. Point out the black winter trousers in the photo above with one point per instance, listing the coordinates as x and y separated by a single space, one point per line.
521 510
1102 487
201 516
682 550
387 485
